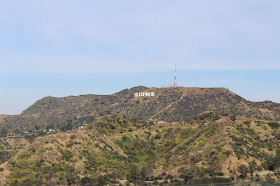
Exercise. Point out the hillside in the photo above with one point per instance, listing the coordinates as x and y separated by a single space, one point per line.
9 147
2 116
211 148
168 104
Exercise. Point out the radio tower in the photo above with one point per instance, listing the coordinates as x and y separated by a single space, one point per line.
174 83
175 78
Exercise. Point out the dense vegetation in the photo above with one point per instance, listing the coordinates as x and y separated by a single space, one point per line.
209 148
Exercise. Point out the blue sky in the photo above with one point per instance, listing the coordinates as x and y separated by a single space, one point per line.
69 47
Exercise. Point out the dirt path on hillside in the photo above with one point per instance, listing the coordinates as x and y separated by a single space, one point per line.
169 105
264 172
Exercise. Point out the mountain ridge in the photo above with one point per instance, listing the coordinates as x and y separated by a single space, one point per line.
168 104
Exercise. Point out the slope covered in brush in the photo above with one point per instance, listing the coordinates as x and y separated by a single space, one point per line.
112 148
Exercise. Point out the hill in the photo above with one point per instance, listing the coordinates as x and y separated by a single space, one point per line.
2 116
9 147
211 148
168 104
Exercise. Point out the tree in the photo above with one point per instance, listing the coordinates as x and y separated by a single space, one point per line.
188 178
134 174
258 177
3 132
145 173
233 118
102 180
37 127
252 167
17 131
277 158
69 126
233 173
51 126
274 163
243 170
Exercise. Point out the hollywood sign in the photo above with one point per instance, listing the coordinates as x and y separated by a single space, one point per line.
148 94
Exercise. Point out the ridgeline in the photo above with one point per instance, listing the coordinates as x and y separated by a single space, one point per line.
168 104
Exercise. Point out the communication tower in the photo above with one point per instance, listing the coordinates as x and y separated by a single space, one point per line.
174 83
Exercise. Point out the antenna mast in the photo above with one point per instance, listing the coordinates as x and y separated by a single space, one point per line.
174 83
175 78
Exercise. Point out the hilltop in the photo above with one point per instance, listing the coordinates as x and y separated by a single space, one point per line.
168 104
210 148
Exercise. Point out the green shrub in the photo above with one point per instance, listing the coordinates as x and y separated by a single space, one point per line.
247 123
73 137
233 118
274 125
243 170
158 136
156 182
87 180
